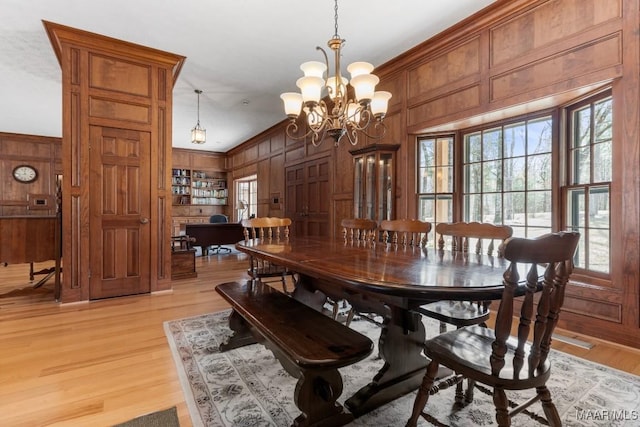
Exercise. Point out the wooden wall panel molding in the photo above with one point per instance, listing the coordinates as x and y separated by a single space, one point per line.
119 111
443 71
597 55
105 72
548 23
456 104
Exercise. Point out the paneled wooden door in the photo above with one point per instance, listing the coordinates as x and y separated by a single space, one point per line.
308 191
120 208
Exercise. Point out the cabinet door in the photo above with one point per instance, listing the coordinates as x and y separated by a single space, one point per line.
374 182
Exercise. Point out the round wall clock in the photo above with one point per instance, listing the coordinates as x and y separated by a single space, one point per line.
25 173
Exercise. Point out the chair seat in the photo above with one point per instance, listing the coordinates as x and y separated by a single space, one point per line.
468 350
267 271
458 313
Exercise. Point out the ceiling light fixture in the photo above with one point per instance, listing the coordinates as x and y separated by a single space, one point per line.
341 114
198 134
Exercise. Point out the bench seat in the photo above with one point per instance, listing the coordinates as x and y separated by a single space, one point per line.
308 344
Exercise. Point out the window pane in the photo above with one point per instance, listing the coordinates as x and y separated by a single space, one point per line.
427 211
514 170
539 136
473 178
539 172
539 209
445 151
602 162
492 176
582 127
427 154
427 180
581 165
514 140
599 207
473 148
514 208
603 120
492 144
492 208
444 179
472 208
576 206
598 246
580 258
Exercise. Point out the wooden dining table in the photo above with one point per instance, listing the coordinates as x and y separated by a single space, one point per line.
390 280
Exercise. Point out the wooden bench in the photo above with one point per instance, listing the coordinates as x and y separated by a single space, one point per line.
308 344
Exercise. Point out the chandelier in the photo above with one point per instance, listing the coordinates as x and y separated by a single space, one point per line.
343 113
198 134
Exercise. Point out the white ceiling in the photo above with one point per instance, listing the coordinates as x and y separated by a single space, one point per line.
241 53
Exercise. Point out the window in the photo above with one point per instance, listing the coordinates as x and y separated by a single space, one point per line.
589 182
507 176
247 195
435 181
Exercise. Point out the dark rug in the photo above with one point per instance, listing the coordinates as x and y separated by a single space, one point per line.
248 387
166 418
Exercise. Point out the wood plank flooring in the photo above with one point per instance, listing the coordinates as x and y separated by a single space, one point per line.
104 362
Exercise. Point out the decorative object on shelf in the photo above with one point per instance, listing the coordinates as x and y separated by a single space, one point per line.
342 114
198 134
25 173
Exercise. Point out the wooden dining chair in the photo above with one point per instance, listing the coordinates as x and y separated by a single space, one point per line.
354 231
406 232
492 356
464 313
267 229
358 229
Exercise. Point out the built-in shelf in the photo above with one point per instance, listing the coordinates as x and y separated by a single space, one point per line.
197 187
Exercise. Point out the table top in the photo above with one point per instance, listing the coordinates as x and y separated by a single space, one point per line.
423 274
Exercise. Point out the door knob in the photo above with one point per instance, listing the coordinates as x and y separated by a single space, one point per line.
144 220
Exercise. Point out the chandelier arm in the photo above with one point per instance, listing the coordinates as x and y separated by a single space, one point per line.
380 130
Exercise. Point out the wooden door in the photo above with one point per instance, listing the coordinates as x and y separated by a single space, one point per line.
308 197
119 209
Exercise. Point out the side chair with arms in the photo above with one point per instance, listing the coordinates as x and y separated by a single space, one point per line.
406 232
267 228
492 356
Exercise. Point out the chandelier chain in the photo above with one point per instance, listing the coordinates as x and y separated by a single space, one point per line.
335 18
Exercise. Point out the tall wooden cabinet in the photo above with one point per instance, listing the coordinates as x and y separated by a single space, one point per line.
374 181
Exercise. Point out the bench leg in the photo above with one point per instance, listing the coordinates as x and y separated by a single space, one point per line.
241 333
316 394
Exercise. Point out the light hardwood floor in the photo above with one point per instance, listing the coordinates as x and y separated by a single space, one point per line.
104 362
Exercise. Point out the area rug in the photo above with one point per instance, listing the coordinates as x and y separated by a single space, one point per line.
248 387
166 418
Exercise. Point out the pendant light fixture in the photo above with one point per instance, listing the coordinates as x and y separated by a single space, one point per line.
198 134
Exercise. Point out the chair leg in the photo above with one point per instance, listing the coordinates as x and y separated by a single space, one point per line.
443 327
423 394
468 395
350 315
502 409
550 411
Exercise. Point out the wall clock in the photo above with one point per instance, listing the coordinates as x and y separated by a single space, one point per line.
25 173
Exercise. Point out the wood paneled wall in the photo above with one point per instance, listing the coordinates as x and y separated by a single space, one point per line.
41 152
512 58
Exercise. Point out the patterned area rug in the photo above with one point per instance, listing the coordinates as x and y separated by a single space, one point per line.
248 387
